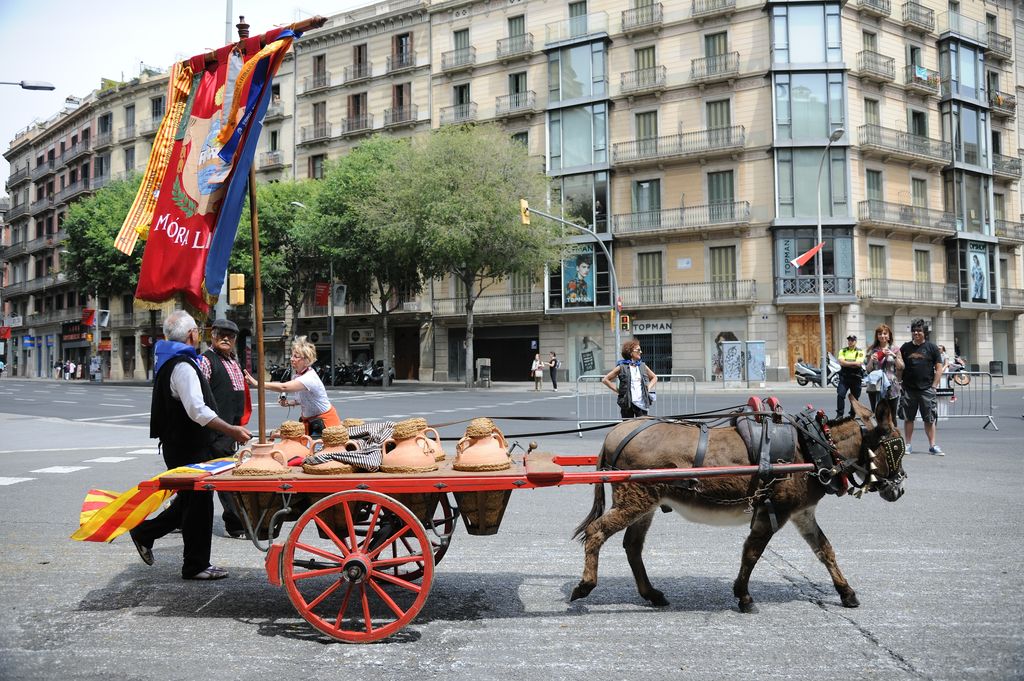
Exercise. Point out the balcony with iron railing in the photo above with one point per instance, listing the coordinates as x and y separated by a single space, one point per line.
318 132
126 320
15 249
876 67
906 218
18 176
1010 232
17 210
47 241
53 316
651 79
716 68
357 124
457 60
43 204
271 160
705 9
1007 167
126 133
275 111
149 126
702 144
697 219
643 18
918 17
357 72
805 289
100 181
889 143
318 81
399 115
103 140
11 290
921 80
399 61
515 46
999 46
1012 297
901 291
957 25
695 294
72 190
515 104
1004 105
44 282
458 113
576 28
509 303
45 168
75 151
875 8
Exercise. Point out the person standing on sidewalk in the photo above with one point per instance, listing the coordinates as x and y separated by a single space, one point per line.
537 371
553 366
883 358
636 381
219 365
183 417
922 372
851 374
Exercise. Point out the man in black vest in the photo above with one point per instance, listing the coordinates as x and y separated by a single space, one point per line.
183 416
220 366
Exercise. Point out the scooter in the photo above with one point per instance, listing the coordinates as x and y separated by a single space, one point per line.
805 373
373 374
958 371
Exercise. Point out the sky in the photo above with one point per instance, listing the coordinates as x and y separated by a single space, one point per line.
74 44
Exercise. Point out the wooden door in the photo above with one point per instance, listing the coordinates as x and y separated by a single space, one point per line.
803 339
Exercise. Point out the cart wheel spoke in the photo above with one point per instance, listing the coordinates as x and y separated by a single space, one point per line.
366 609
397 581
396 561
326 529
322 553
383 595
387 542
319 599
371 526
344 605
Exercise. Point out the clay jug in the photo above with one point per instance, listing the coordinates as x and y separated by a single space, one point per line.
293 441
260 459
407 450
483 448
335 439
433 439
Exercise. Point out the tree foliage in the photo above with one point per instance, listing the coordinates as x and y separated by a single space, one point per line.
92 224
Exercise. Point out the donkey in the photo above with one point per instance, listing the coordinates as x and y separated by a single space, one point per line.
727 500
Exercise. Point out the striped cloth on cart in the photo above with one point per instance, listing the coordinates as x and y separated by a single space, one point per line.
369 438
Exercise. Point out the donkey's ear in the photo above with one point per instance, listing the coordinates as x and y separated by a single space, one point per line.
860 410
883 414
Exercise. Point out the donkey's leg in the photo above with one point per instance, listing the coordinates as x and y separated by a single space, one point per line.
633 542
812 534
626 508
760 534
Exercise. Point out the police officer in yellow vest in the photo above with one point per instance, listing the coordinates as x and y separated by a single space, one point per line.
851 373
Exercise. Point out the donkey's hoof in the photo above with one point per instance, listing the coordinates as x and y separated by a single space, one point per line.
849 600
582 590
747 606
657 598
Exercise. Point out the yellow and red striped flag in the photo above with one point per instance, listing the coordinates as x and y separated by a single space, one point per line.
107 515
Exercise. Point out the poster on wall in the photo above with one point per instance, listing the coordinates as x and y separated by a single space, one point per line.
578 276
977 255
718 356
732 361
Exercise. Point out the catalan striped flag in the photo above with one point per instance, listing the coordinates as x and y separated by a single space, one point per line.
107 515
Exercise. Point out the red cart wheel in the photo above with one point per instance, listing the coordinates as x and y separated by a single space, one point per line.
343 582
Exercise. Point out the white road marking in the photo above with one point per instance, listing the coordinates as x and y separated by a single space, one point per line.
144 451
24 399
64 449
122 404
110 459
107 418
65 401
60 469
13 481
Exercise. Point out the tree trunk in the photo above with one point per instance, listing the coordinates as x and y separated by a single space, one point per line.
470 302
385 315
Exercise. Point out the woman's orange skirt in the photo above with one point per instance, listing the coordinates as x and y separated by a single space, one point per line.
330 418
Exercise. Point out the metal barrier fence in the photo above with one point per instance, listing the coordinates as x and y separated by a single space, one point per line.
964 395
676 394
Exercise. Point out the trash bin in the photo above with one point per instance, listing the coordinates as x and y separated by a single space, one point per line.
995 369
483 372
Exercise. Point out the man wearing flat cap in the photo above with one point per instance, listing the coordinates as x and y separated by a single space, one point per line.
220 366
851 373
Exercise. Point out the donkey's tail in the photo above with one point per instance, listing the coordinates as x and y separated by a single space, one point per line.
597 510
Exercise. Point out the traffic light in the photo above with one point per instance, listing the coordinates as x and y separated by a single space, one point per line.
524 211
624 322
236 289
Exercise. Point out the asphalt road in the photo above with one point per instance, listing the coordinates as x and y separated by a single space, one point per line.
938 573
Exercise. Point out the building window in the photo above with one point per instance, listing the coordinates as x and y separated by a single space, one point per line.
647 204
316 166
718 114
836 259
576 72
359 59
919 192
722 272
578 136
962 65
808 105
967 128
129 116
585 197
806 34
516 26
521 285
966 196
274 140
873 180
922 266
649 277
156 108
876 261
644 59
517 83
522 138
872 115
129 160
799 168
721 202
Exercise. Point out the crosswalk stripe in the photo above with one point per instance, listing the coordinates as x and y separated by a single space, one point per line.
59 469
110 459
13 481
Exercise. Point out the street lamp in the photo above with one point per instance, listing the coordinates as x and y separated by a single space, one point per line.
330 300
819 260
31 84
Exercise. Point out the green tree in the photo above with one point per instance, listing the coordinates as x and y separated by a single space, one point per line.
290 263
92 225
459 193
376 258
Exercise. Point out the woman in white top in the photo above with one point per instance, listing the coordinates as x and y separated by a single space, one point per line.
317 411
636 381
537 371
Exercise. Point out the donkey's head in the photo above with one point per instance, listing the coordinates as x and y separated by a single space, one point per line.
880 456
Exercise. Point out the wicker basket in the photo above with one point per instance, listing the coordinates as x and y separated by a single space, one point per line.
422 505
482 511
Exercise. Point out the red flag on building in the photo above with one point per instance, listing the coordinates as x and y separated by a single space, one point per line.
5 333
322 294
88 316
802 260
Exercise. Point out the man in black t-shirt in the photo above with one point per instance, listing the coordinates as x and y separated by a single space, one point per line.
921 374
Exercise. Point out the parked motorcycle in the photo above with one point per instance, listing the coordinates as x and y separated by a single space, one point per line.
805 373
957 370
279 373
373 374
349 373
